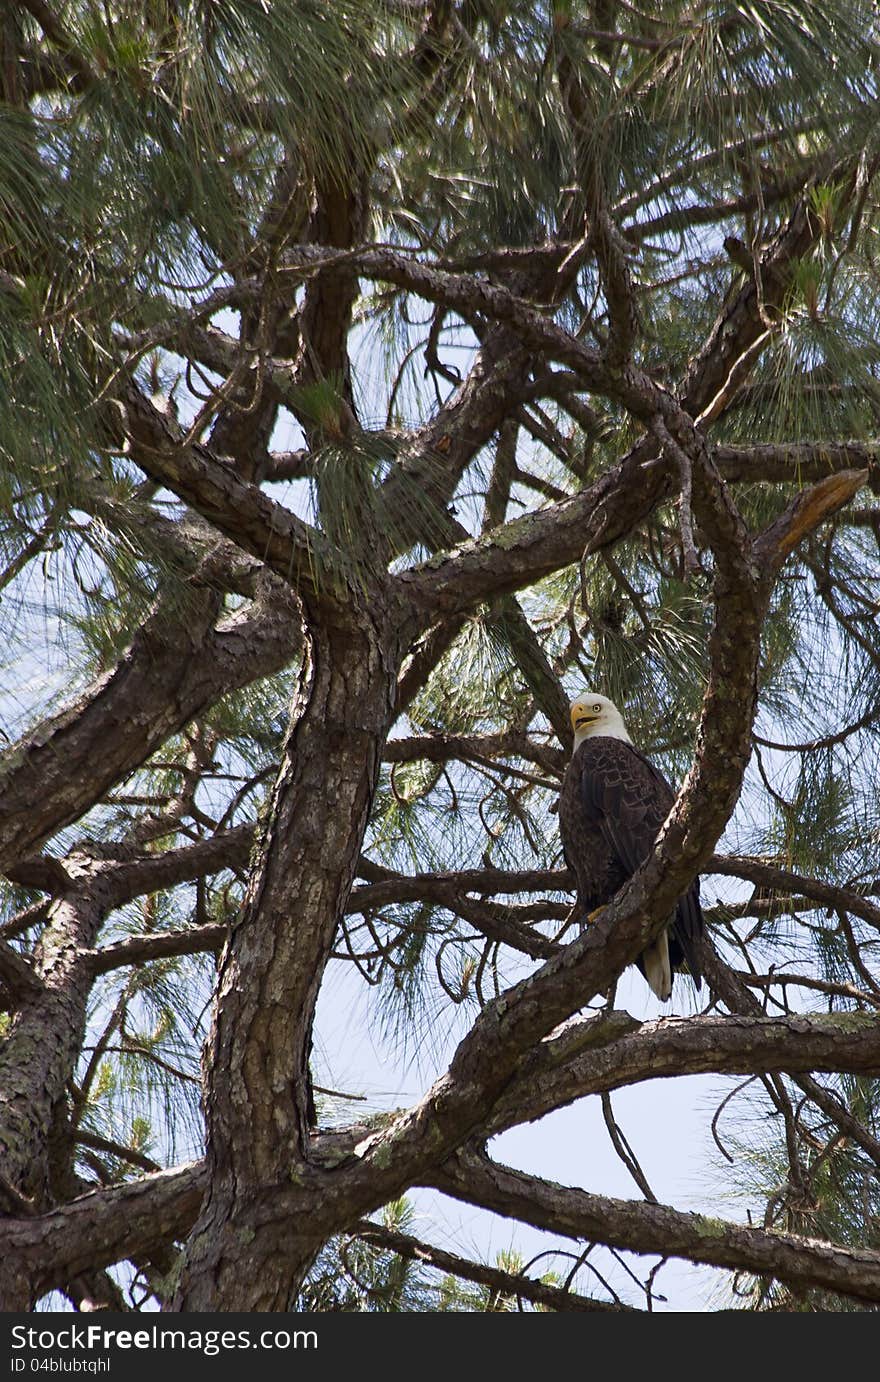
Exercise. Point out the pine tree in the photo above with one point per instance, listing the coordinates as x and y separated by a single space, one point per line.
375 377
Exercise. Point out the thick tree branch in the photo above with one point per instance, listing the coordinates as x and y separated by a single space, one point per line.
783 881
104 1227
138 950
799 463
589 1058
171 671
804 514
647 1228
479 748
294 550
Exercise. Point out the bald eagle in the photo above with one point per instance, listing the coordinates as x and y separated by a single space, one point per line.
612 805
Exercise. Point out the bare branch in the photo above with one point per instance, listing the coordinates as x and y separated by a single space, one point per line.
648 1228
104 1227
587 1057
239 510
504 1283
153 691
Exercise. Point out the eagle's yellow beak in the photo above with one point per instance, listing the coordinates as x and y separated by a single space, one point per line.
579 716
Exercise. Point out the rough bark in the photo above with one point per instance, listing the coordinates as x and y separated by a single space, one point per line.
273 963
170 673
648 1228
371 601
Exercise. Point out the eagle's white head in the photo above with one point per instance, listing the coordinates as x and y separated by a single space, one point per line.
595 714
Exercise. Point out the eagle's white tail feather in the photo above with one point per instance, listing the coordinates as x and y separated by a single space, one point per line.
658 970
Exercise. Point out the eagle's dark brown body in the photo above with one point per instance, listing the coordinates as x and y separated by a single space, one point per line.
612 805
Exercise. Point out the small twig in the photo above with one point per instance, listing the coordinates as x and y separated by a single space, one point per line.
132 1048
340 1094
743 1084
625 1151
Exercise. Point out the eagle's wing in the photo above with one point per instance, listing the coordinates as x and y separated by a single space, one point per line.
687 928
688 924
625 797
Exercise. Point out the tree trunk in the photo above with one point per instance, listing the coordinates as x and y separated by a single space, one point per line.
240 1256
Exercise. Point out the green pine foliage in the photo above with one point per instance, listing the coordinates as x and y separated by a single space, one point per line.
147 177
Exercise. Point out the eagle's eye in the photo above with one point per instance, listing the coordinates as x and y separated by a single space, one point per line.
597 709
